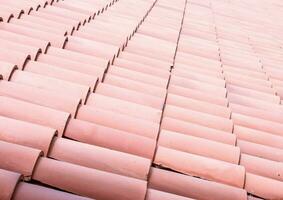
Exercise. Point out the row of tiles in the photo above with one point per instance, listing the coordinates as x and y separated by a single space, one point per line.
247 147
107 75
49 133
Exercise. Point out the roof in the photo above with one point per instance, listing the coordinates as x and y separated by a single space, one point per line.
144 99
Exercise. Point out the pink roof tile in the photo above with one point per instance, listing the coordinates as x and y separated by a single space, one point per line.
26 191
8 182
141 100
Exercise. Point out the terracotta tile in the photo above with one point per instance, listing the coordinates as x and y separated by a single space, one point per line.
100 158
8 182
82 7
262 167
8 8
26 191
41 27
274 115
119 121
198 33
25 40
250 85
60 73
102 36
78 57
199 118
246 72
92 48
159 32
56 18
138 76
253 94
160 64
191 144
14 154
108 26
195 165
123 141
198 95
6 16
149 51
260 150
28 50
258 124
65 13
198 50
55 40
135 85
253 198
129 95
192 187
231 77
274 73
156 195
123 63
200 68
276 82
198 77
26 134
14 57
7 69
192 129
65 63
40 96
47 22
151 47
191 59
16 109
51 84
263 187
197 85
124 107
196 105
279 91
253 103
72 177
259 137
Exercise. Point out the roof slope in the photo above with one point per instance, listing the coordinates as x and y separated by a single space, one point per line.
144 99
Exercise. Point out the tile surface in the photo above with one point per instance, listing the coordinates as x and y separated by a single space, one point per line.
141 100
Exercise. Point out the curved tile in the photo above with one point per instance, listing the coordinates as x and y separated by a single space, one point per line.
26 191
60 73
40 96
26 134
52 84
200 118
65 63
8 182
7 69
15 155
200 166
124 107
119 121
16 58
41 115
100 158
263 187
72 178
191 144
129 95
192 187
188 128
98 135
157 195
